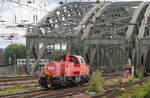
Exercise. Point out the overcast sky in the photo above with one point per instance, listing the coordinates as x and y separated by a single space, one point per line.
22 13
13 13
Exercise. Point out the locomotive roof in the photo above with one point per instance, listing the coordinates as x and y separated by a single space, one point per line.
77 56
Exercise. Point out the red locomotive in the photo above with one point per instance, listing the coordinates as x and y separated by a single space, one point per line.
69 70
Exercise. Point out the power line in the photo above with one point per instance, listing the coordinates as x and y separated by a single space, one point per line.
18 3
24 7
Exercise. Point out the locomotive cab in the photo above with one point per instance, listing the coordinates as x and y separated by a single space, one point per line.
69 70
69 58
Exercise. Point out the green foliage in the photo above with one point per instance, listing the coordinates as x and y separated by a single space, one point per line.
30 88
120 80
115 89
130 79
14 52
11 91
56 54
96 82
146 87
16 90
139 74
125 95
139 91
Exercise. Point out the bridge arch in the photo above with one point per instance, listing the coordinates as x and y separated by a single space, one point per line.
91 30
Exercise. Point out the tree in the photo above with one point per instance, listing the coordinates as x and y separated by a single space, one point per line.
14 52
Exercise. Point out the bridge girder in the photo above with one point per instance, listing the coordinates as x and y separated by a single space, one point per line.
95 30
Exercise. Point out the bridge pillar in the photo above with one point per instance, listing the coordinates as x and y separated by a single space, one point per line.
141 56
68 49
29 45
98 58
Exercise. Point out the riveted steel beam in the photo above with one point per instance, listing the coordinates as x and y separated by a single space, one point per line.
34 66
93 51
29 45
88 16
93 20
145 41
144 23
99 41
134 20
63 19
53 40
143 54
133 32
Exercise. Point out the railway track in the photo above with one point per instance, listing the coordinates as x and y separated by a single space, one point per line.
10 82
13 82
48 93
109 93
6 79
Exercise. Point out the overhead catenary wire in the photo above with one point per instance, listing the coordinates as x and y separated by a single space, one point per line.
24 5
21 6
16 18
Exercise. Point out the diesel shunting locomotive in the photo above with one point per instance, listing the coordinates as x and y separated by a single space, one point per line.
69 70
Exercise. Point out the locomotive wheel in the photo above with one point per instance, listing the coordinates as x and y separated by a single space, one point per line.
87 79
77 80
43 82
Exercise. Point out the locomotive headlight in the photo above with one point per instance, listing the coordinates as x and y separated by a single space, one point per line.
53 74
43 74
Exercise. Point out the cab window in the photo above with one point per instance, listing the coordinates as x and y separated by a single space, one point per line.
71 59
77 62
81 60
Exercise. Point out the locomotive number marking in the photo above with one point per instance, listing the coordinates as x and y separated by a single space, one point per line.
51 68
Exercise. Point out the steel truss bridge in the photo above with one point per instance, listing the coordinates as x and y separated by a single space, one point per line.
106 34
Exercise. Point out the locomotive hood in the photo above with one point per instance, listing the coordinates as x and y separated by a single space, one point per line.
67 66
55 68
